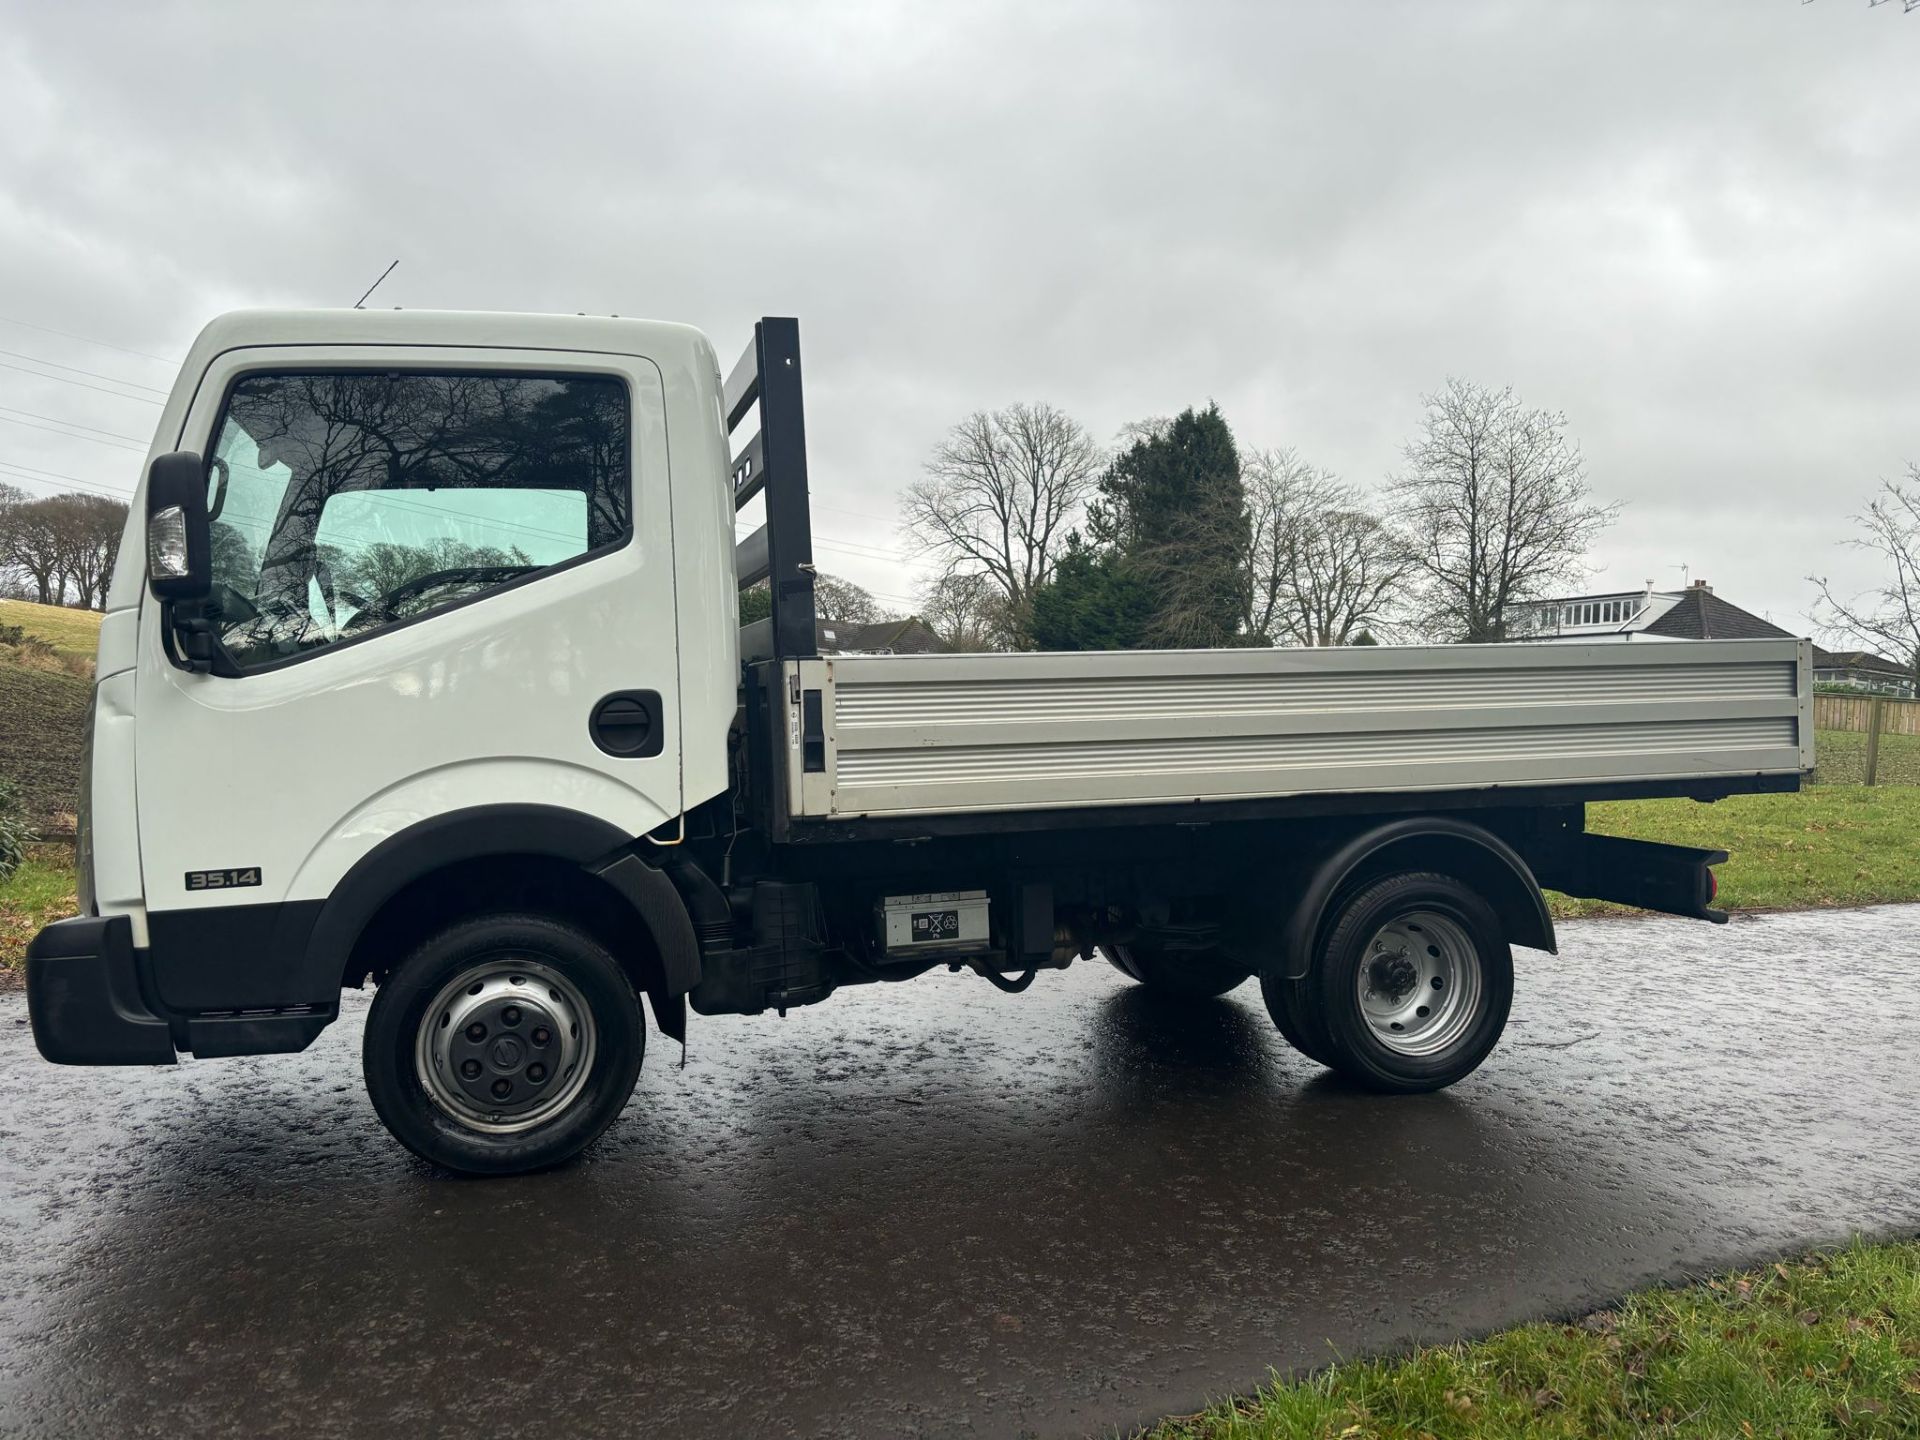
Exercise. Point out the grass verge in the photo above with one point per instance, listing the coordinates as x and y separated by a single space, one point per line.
43 717
39 892
1825 1346
1841 757
1827 845
72 633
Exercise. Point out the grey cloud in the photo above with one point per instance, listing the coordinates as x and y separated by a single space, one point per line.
1689 227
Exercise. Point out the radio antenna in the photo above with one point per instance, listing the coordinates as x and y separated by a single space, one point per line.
361 302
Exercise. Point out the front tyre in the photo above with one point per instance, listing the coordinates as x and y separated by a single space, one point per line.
1412 984
504 1044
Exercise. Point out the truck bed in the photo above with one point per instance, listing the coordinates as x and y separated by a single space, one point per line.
931 735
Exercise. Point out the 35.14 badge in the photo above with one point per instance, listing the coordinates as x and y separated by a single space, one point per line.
223 879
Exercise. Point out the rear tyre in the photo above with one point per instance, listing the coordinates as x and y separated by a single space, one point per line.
1412 984
504 1044
1293 1013
1192 973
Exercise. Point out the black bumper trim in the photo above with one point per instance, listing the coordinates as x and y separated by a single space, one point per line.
83 996
284 1032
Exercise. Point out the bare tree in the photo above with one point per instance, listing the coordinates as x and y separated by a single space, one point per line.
1907 7
13 578
1887 617
30 544
833 599
842 600
86 534
56 544
998 497
1134 431
1322 569
383 567
1495 508
967 610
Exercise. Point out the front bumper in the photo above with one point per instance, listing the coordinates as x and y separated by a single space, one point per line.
83 994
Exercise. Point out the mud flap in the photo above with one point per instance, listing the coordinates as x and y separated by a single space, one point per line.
669 1015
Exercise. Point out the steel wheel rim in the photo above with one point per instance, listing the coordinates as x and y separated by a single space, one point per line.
1420 983
506 1045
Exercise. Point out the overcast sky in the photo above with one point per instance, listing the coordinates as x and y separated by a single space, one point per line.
1694 228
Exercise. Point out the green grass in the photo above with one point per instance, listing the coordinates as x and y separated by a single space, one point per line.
1841 757
70 632
39 892
1827 1346
44 692
42 718
1827 845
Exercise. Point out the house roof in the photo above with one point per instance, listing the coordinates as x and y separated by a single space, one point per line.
1699 614
1857 660
911 636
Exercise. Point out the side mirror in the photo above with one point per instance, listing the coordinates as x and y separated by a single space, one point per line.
179 538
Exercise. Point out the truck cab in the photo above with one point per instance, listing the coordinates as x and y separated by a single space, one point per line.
422 666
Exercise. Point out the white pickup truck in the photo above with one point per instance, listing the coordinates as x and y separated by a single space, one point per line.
422 667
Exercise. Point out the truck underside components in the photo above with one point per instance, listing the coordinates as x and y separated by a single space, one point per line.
785 966
941 921
1196 972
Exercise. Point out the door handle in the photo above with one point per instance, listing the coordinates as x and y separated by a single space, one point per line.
629 724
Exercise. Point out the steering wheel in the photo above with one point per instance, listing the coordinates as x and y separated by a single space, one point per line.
458 575
333 594
364 612
229 606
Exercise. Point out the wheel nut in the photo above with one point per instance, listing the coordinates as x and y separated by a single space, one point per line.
502 1088
470 1069
541 1035
476 1032
536 1072
510 1015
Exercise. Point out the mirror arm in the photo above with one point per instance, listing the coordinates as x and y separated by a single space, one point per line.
188 635
191 640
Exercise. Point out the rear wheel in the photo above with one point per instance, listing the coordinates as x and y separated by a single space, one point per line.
1198 973
503 1044
1412 984
1293 1013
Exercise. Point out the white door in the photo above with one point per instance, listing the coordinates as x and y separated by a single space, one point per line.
431 564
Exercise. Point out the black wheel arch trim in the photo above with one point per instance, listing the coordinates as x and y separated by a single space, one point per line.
598 847
1534 927
656 900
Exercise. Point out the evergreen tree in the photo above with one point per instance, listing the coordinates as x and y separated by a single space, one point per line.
1092 602
1172 515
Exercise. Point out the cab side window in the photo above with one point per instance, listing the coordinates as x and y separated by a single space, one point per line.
345 503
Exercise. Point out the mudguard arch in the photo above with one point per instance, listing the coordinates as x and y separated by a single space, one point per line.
596 846
1532 926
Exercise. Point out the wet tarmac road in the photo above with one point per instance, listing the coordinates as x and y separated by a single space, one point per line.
933 1209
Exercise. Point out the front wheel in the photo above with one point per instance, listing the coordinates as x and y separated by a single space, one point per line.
503 1044
1412 984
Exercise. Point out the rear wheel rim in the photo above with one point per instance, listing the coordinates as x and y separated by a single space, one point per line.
1420 984
507 1044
